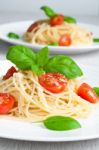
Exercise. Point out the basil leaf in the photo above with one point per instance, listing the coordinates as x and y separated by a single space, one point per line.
96 40
24 58
51 13
21 56
61 123
96 89
70 19
65 65
42 56
36 69
53 44
48 11
13 35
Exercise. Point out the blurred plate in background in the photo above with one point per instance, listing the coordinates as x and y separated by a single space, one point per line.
21 27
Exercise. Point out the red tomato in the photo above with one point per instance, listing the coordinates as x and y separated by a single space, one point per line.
9 73
7 102
65 40
86 92
57 20
32 27
53 82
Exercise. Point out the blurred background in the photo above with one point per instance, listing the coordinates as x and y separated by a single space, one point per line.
76 7
15 10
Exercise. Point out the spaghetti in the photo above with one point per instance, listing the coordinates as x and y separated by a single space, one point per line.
43 33
34 103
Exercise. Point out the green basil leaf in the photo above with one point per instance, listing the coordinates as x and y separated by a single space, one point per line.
21 56
96 40
53 44
70 19
36 69
48 11
51 13
42 56
24 58
13 35
96 89
61 123
65 65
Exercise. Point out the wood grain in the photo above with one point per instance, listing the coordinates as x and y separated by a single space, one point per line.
6 144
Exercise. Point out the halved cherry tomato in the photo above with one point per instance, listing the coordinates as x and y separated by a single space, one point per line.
32 27
7 102
9 73
65 40
57 20
53 82
86 92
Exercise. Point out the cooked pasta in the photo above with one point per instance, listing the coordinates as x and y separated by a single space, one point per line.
34 103
43 33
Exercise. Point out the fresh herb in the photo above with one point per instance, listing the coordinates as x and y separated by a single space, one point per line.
51 13
13 35
70 19
96 40
22 56
25 59
96 89
64 65
53 44
38 70
61 123
42 57
48 11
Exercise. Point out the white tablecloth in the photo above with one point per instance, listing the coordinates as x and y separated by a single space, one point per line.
86 59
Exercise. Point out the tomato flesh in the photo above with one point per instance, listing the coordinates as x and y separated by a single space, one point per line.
86 92
53 82
7 102
65 40
9 73
57 20
32 27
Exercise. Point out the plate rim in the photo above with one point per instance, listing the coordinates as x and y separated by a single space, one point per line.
49 139
67 50
45 139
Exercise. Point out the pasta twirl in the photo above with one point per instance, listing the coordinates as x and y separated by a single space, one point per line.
45 34
34 103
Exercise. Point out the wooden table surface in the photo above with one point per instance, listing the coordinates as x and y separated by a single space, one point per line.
88 58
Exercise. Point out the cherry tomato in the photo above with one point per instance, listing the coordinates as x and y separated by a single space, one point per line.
86 92
32 27
53 82
57 20
65 40
9 73
7 102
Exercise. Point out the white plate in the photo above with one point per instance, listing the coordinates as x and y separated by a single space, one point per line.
21 130
21 27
